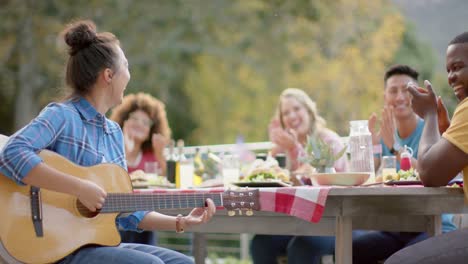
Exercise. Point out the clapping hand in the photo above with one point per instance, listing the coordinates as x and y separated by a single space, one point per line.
424 101
158 142
129 141
373 129
442 115
284 139
387 127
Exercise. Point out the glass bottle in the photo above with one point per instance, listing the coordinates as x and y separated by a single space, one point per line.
198 168
361 148
171 162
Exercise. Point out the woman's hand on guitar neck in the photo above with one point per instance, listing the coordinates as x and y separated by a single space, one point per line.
91 195
200 215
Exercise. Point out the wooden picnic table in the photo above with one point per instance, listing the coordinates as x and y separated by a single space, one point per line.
410 209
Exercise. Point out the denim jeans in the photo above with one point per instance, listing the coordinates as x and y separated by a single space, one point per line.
126 254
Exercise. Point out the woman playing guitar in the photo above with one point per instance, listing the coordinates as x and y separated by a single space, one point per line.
77 129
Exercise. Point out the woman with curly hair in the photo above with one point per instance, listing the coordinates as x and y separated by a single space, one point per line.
146 130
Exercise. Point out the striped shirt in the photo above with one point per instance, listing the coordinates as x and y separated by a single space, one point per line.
75 130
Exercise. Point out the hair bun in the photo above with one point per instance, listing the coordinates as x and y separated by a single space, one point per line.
80 35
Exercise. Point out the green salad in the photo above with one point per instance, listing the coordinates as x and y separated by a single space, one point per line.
260 177
409 175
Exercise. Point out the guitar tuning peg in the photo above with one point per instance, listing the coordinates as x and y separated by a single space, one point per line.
240 212
231 213
249 212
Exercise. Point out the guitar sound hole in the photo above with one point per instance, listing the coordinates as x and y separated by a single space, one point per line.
85 212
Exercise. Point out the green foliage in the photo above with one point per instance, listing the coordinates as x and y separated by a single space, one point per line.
219 65
319 154
415 53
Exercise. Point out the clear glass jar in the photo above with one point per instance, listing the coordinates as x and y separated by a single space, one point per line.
361 148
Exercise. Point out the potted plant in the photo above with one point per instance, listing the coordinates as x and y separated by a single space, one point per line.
319 155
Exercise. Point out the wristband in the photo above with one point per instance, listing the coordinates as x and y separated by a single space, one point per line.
178 225
377 149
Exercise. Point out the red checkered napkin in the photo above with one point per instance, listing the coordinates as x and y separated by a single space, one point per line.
304 202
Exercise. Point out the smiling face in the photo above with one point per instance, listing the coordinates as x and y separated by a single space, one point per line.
138 125
396 94
295 116
457 69
120 78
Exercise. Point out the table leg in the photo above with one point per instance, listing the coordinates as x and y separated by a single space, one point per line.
199 248
344 240
435 225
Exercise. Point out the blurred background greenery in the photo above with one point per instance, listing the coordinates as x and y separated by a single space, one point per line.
219 65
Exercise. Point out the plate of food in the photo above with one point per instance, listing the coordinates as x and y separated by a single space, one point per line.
142 180
338 178
265 173
405 177
273 183
393 182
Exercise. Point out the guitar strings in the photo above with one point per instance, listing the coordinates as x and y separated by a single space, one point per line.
131 201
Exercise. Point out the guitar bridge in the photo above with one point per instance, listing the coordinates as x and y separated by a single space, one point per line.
36 210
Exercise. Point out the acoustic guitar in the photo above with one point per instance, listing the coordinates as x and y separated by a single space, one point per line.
67 225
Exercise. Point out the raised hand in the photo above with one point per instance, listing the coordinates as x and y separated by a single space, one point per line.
442 115
387 128
159 142
129 141
424 101
372 128
284 139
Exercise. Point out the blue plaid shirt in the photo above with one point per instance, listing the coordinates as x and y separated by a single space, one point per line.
75 130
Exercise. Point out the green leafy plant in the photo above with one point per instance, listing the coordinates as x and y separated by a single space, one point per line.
319 154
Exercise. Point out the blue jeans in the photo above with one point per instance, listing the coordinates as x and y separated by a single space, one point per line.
369 247
126 254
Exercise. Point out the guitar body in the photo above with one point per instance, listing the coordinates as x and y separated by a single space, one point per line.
65 229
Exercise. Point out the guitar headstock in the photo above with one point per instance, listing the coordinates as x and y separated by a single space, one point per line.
241 200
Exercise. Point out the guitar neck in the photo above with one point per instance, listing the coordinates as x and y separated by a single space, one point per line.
128 202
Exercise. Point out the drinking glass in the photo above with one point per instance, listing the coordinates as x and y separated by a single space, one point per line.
389 171
231 169
186 171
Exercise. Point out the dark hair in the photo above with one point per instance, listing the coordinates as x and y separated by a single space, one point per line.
89 53
460 39
153 107
400 69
